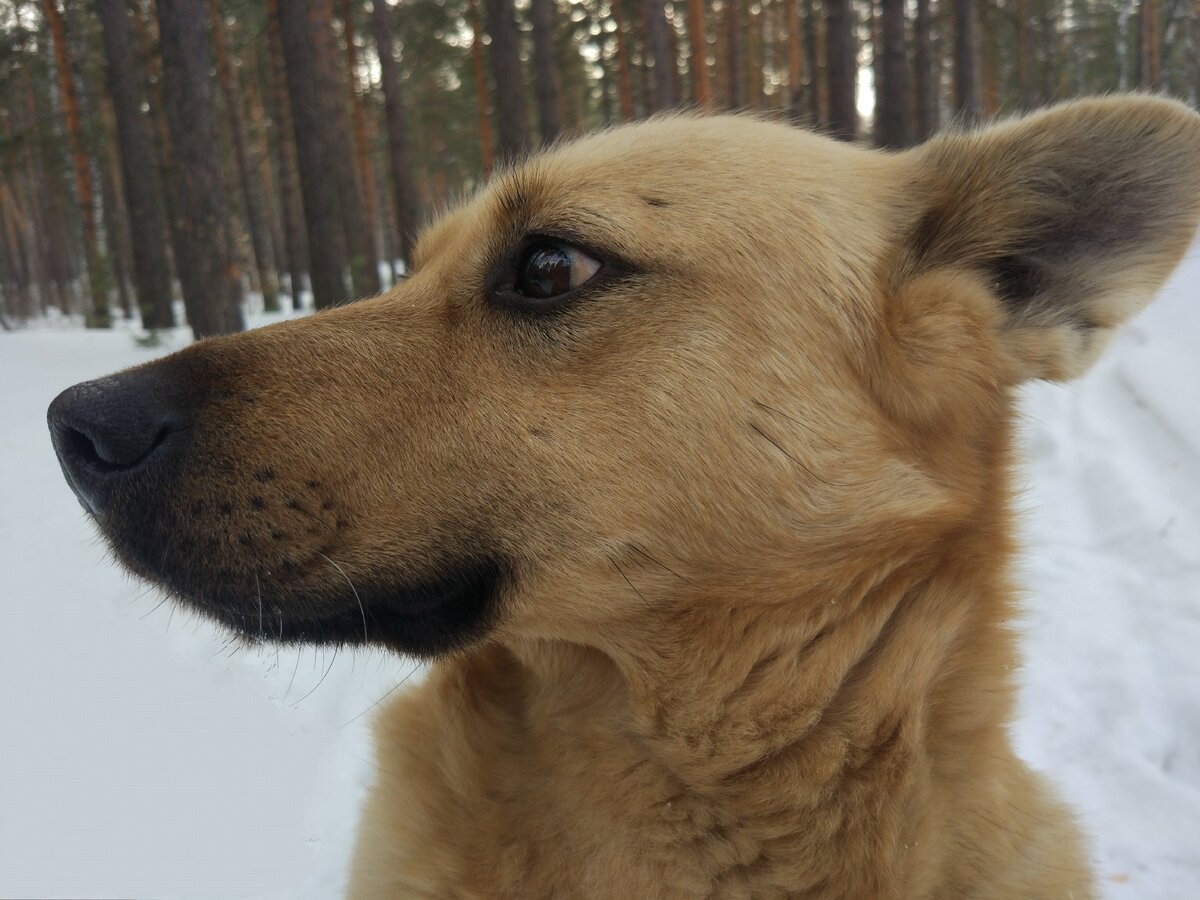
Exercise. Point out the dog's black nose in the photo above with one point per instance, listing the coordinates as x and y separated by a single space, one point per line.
111 428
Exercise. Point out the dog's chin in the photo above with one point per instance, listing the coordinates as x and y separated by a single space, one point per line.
428 619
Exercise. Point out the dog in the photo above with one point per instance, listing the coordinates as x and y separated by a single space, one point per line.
684 455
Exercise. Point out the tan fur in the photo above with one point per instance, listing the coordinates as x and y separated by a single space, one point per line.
755 496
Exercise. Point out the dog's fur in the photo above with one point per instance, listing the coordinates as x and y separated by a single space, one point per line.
745 502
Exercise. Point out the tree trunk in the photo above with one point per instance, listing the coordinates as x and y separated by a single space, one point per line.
140 169
735 91
260 240
98 314
314 156
404 191
481 93
795 55
545 70
290 204
842 66
966 64
701 92
1049 41
360 247
366 177
658 53
812 56
926 80
624 83
504 56
893 94
211 292
1024 56
1149 56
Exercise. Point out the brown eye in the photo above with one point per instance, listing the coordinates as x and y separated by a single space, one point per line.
550 268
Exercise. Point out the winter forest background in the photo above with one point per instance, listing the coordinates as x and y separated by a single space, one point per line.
203 149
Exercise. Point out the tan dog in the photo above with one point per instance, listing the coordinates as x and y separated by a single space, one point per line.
685 454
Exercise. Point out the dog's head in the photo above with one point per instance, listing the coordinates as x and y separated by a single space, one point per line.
654 364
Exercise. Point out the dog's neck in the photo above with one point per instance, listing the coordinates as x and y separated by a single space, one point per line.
870 692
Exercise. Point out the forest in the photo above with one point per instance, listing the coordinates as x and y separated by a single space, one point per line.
185 161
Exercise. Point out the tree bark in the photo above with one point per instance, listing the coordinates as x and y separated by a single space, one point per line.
658 53
504 56
925 80
211 292
314 157
701 91
256 224
290 204
1024 56
98 314
624 83
481 93
360 247
366 177
842 67
893 94
812 56
1149 56
735 92
404 190
795 55
140 169
545 70
966 63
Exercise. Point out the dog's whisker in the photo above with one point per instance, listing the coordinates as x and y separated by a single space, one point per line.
774 443
391 691
362 611
637 549
650 609
325 675
295 668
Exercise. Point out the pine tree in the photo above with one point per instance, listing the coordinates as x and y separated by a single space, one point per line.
504 56
211 293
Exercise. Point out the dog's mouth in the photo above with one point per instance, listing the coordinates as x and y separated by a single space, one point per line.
426 618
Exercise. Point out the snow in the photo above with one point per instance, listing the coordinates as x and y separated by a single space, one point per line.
143 754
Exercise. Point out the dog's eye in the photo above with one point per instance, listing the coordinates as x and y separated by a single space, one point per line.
551 268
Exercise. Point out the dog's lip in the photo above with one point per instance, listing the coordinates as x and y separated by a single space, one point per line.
394 615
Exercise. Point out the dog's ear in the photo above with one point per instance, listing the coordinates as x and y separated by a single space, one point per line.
1074 217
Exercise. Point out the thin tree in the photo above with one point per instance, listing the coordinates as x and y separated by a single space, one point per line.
842 67
256 223
1024 56
404 190
966 63
1149 55
893 121
314 157
812 58
290 204
483 121
366 175
624 82
211 292
658 54
140 169
98 315
735 95
545 70
795 57
701 92
504 57
360 244
925 107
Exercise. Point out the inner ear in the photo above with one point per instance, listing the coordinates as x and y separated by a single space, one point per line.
1073 218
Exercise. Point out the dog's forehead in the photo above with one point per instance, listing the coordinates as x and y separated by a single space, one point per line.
707 173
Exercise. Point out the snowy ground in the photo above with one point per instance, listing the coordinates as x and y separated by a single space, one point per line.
141 755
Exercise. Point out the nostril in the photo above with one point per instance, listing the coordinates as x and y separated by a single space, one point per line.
108 455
